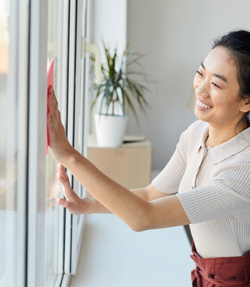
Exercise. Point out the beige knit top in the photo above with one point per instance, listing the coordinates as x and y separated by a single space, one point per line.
214 189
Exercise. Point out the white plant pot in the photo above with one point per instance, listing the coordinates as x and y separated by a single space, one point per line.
110 130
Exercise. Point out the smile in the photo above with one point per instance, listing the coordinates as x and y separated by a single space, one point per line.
202 105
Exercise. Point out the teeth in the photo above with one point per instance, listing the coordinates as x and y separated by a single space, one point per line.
203 105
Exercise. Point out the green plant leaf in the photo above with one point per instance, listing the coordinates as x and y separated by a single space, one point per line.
115 81
106 93
122 102
113 63
107 54
93 101
131 106
96 90
136 92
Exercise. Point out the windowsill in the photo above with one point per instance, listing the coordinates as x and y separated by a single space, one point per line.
113 255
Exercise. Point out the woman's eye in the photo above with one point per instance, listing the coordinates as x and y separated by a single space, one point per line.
215 85
198 72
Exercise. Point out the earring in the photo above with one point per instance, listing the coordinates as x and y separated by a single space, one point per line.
248 118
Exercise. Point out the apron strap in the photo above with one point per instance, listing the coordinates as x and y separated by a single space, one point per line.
197 273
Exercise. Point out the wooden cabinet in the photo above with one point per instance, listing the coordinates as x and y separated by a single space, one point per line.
129 165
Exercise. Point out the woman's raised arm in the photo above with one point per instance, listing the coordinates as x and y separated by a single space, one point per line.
136 212
87 205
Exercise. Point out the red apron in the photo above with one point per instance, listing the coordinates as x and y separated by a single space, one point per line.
221 271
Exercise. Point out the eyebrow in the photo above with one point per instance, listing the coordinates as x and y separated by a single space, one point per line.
216 75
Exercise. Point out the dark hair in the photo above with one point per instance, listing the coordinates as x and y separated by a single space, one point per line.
237 43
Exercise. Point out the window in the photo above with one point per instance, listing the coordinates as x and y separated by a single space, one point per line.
40 240
54 214
13 141
76 124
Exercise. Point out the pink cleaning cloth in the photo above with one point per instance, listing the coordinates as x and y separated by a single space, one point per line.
50 82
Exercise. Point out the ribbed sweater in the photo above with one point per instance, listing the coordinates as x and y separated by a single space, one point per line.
213 187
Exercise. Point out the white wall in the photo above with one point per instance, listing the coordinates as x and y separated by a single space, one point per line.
177 35
109 22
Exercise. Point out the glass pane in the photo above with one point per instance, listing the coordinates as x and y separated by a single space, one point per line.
82 116
79 108
53 216
8 146
3 139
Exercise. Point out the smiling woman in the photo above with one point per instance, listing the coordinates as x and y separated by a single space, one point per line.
220 100
206 182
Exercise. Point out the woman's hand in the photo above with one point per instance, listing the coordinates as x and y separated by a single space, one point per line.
73 202
59 145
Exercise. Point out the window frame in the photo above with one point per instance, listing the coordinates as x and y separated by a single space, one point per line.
36 142
77 99
62 69
22 91
69 125
29 66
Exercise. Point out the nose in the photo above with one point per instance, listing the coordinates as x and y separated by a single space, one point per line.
201 88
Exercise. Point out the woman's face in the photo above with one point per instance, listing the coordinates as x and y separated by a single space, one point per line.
217 90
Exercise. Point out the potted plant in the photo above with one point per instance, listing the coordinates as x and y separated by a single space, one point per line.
116 91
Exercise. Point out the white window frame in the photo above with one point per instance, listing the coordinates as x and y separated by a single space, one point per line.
23 28
77 104
17 132
72 88
69 130
62 51
17 96
79 220
36 142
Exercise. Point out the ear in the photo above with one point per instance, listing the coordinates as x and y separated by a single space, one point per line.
245 107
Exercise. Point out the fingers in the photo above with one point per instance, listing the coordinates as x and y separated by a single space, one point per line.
68 192
63 202
59 145
53 105
56 128
51 118
62 172
52 98
64 181
59 115
70 206
51 202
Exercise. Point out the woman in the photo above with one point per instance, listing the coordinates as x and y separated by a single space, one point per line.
210 170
